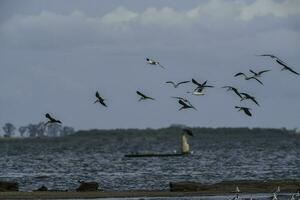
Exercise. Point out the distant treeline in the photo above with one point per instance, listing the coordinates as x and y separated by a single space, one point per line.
56 130
37 130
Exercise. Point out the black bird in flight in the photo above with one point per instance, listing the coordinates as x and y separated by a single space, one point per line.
100 99
203 85
281 62
188 131
247 96
153 62
247 78
230 88
181 98
51 119
285 67
245 109
143 97
258 74
175 85
185 105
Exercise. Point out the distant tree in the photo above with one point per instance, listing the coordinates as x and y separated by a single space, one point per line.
32 130
9 129
67 131
22 130
40 129
54 130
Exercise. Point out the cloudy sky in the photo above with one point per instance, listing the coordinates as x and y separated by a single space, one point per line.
55 54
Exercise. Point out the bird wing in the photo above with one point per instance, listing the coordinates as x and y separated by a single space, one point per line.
247 111
254 100
245 94
269 55
204 83
239 74
182 82
103 103
182 103
97 95
286 67
263 71
256 79
161 66
195 82
253 72
141 94
171 82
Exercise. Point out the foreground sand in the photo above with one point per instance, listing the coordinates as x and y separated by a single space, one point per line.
222 188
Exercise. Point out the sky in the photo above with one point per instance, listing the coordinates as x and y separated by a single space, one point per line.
55 54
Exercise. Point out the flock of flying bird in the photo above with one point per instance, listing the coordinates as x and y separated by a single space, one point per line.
200 87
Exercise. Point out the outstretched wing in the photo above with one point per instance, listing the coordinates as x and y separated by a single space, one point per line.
239 74
98 95
195 82
182 82
171 82
253 72
141 94
182 103
247 111
263 71
256 80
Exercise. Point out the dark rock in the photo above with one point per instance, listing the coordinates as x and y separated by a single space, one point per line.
87 186
6 186
42 189
187 186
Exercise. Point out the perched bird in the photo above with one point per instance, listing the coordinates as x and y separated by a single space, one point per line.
230 88
248 78
51 119
245 109
247 96
100 99
143 97
187 131
258 74
185 105
285 67
153 62
175 85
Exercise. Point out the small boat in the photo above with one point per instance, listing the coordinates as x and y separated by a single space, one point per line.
185 149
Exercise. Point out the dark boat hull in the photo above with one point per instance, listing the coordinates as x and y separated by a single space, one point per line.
155 155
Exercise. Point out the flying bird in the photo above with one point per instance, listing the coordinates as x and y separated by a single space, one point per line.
51 119
230 88
285 67
203 85
197 91
245 109
247 78
258 74
175 85
185 105
153 62
247 96
143 96
183 99
100 99
187 131
281 62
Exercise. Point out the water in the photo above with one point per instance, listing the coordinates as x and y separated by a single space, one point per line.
59 163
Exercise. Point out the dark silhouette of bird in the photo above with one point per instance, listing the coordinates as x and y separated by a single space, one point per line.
245 109
185 105
100 99
187 131
143 96
247 96
153 62
175 85
184 100
281 62
258 74
230 88
248 78
203 85
197 91
285 67
51 119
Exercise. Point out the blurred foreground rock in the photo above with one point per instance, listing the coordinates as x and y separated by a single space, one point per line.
88 186
6 186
